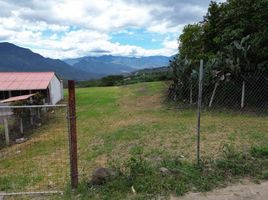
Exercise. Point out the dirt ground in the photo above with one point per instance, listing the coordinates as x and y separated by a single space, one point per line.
241 191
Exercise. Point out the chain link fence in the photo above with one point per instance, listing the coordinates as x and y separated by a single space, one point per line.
233 108
244 94
33 148
224 91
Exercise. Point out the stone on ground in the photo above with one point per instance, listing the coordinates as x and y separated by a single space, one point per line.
101 174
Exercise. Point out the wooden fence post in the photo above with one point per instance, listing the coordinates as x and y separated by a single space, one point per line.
72 133
21 125
6 131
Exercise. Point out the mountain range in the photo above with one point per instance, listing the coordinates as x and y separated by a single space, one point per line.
15 58
108 64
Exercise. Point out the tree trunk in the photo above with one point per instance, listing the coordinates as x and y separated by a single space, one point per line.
243 94
213 94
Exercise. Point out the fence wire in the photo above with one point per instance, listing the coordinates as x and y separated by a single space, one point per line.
34 157
233 112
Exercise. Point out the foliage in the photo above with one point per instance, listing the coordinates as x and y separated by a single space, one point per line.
232 39
259 152
191 42
38 99
20 112
145 75
111 80
143 176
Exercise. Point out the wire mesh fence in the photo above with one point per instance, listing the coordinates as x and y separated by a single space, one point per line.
246 93
233 109
117 123
34 153
223 91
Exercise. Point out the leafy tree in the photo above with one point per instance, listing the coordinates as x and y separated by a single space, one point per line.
212 26
111 80
191 42
233 40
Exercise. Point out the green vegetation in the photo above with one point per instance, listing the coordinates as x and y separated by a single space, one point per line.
232 41
144 75
141 178
133 129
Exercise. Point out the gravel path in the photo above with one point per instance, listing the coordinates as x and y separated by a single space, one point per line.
248 191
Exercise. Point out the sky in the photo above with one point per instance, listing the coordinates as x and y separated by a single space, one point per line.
75 28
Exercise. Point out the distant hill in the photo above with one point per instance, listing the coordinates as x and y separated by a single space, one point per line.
92 65
109 64
149 71
15 58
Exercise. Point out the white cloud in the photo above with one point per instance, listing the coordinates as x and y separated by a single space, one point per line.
72 28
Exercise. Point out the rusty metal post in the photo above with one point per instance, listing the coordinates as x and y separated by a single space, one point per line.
72 134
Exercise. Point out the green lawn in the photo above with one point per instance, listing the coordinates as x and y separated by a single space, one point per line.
114 122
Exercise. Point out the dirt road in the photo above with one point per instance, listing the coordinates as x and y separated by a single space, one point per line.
248 191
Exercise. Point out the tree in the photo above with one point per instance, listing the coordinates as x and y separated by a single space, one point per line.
212 26
233 38
111 80
191 43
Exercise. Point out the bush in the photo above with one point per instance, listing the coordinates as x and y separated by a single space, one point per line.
259 152
144 175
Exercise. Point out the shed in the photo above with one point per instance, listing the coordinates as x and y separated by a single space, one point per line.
14 84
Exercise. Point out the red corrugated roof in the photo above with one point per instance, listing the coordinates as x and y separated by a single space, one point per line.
17 98
24 80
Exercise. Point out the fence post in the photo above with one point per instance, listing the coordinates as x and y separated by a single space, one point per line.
243 94
72 134
6 130
21 125
199 111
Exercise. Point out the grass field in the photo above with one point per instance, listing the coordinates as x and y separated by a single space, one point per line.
114 123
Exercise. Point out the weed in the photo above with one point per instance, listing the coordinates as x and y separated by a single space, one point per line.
143 175
260 151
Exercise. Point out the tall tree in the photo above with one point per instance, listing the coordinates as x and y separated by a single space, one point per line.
191 42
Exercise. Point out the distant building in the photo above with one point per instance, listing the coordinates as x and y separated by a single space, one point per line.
21 84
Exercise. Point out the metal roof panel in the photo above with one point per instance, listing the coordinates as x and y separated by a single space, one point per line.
25 80
17 98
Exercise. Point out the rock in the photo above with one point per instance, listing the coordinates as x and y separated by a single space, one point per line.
164 170
101 174
21 140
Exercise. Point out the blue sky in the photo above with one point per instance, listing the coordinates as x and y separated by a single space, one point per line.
140 37
71 28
